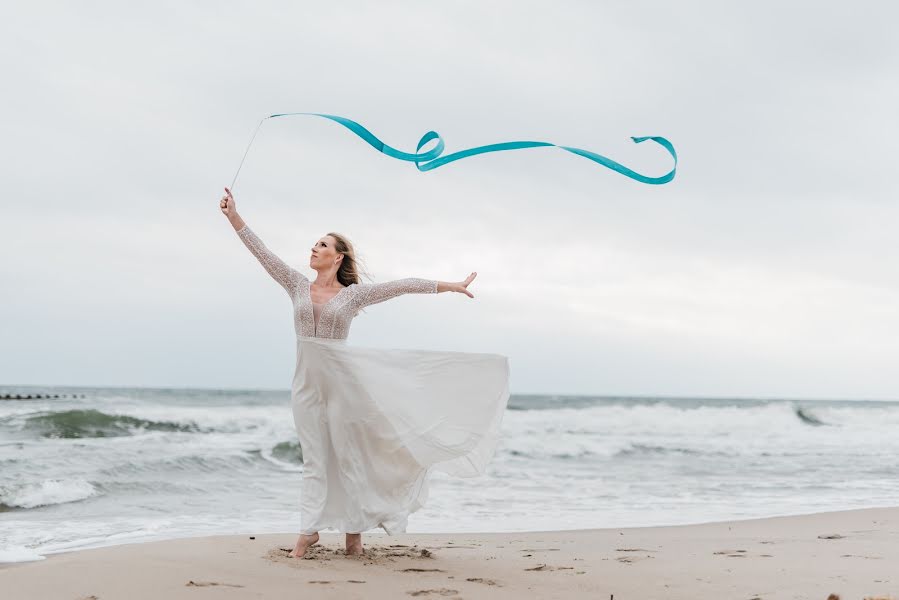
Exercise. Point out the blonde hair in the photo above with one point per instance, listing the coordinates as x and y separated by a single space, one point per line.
350 270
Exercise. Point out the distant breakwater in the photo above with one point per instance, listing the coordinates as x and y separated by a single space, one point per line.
38 396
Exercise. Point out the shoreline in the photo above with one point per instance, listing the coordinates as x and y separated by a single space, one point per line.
375 533
850 552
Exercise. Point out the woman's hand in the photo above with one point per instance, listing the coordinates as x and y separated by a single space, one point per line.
461 286
228 204
229 208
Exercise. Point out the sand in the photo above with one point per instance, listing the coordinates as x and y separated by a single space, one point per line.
854 554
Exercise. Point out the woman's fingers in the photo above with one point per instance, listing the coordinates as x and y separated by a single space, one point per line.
467 281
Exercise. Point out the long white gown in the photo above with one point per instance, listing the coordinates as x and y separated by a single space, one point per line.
373 423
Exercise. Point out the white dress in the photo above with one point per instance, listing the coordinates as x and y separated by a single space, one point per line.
374 422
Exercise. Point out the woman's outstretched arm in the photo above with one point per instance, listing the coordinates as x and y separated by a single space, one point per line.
372 293
288 277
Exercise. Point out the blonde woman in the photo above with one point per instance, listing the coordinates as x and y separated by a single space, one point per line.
374 422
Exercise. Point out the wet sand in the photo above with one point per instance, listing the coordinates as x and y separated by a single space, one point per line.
854 554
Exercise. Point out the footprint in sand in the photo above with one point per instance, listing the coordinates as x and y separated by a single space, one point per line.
484 581
209 583
316 552
439 592
374 554
831 536
547 568
424 553
416 570
631 559
732 553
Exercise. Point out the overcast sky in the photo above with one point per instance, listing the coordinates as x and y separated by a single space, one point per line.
767 268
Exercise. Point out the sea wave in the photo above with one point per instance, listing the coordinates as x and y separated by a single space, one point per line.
45 493
653 449
806 416
91 423
18 553
619 431
709 417
285 455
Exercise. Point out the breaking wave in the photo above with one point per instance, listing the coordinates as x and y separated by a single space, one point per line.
91 423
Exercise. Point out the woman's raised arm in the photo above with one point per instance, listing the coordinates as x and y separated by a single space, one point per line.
288 277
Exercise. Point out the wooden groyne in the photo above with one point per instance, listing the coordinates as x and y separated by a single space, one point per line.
38 396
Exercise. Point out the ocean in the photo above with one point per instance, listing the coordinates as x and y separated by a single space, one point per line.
101 466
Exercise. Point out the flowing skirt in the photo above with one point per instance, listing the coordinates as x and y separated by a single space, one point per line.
374 422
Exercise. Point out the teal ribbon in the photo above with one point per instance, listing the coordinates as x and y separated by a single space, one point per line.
431 159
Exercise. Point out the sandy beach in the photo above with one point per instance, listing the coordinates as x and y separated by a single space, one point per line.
850 553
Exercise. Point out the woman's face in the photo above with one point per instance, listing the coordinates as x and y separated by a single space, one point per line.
324 254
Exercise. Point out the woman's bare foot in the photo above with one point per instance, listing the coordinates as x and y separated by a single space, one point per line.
303 544
354 544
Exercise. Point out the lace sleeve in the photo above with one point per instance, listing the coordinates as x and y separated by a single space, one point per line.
288 277
372 293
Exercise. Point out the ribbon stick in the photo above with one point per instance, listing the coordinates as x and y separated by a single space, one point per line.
431 159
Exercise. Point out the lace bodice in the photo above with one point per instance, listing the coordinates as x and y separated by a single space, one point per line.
335 315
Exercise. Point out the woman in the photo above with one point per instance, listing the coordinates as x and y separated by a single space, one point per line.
374 422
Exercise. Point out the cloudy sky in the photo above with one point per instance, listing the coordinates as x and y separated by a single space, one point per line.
767 268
